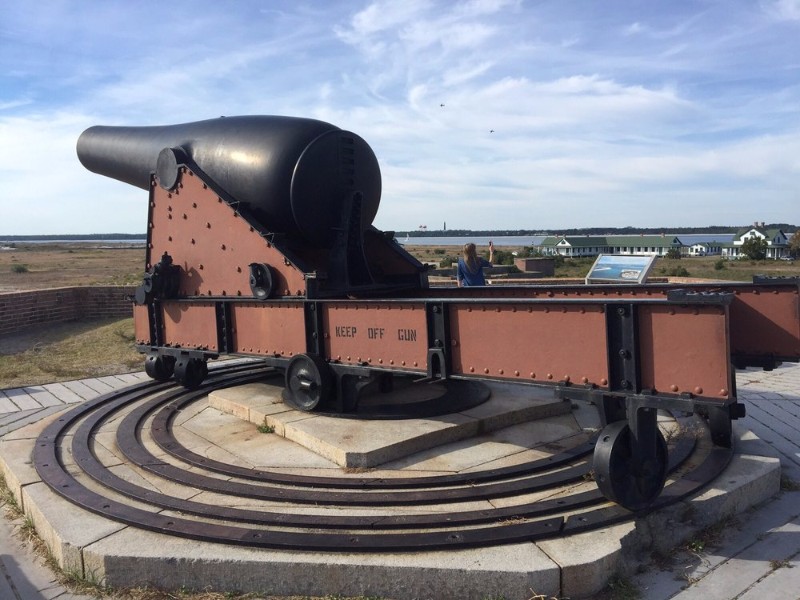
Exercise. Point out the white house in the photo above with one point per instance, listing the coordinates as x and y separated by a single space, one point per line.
704 249
592 245
777 242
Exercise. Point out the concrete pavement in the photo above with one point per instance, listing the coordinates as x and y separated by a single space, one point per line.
755 555
24 574
752 558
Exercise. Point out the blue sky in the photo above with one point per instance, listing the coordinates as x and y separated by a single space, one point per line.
557 113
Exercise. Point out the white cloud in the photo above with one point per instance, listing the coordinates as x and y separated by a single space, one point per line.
46 190
783 9
634 28
687 113
379 19
463 72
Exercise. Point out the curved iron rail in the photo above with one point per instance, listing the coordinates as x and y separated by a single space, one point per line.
286 529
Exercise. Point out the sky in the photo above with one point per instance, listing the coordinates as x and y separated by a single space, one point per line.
484 114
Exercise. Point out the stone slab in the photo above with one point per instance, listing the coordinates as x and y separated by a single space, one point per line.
65 528
588 559
16 466
565 567
138 558
359 443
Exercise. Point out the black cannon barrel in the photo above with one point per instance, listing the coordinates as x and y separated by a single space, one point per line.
292 173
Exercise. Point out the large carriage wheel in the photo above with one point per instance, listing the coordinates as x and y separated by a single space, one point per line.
159 367
309 382
623 479
190 372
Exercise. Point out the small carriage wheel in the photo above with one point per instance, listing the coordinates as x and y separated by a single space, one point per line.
309 382
616 473
159 366
190 372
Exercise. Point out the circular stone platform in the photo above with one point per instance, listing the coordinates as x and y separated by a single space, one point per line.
231 491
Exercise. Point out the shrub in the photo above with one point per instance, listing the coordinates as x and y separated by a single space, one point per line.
719 264
530 252
501 257
678 272
447 261
438 250
755 248
19 269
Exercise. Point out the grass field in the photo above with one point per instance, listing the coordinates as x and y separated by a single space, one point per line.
88 349
66 351
709 267
43 266
38 266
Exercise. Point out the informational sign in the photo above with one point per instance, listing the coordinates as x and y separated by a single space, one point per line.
613 268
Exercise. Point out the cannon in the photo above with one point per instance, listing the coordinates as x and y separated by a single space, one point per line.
307 188
260 244
293 175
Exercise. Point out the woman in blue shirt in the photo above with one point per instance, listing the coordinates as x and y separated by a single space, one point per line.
470 266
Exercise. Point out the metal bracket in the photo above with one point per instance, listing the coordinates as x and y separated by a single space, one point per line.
224 327
623 348
314 329
439 359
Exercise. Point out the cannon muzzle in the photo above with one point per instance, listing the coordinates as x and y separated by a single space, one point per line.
292 174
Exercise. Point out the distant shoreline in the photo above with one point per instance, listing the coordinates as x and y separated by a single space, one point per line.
89 237
591 231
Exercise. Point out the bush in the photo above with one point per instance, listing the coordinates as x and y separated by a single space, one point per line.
448 261
678 272
755 248
674 253
19 269
438 250
530 252
719 264
501 257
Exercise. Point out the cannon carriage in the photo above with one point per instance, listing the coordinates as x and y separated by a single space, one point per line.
261 244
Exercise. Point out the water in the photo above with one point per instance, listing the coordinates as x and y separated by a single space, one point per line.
535 240
499 240
132 241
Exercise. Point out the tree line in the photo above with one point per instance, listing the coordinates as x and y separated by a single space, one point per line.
628 230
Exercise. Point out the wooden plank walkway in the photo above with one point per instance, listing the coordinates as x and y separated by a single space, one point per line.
22 406
755 555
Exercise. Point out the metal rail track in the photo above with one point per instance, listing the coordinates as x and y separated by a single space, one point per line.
153 406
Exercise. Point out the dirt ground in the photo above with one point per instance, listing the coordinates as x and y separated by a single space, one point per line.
65 351
31 266
27 266
39 335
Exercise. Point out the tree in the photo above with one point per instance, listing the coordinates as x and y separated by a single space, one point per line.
755 248
794 245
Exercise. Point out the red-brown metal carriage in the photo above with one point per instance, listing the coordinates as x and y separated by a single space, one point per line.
260 244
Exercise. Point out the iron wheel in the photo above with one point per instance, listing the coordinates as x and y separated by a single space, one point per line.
159 367
190 372
309 382
617 474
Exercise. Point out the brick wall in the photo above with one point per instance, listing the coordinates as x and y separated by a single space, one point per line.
19 310
545 266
